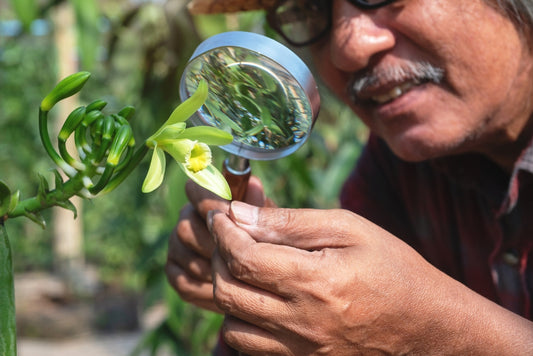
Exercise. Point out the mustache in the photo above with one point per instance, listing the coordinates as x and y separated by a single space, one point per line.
415 71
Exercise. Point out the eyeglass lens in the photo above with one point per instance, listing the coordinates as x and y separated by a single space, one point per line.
302 22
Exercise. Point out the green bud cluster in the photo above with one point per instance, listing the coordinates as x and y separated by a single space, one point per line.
104 154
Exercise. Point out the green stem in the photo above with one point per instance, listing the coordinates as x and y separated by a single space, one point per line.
45 139
8 331
125 172
37 203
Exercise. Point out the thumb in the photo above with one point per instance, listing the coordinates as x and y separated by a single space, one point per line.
309 229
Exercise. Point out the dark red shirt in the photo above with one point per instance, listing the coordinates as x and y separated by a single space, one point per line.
464 214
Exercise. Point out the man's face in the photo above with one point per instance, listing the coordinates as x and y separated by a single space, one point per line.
431 77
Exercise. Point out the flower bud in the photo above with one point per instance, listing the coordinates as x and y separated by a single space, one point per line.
92 116
98 104
127 112
71 123
65 88
120 141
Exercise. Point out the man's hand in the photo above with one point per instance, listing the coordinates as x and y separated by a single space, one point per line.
190 248
314 282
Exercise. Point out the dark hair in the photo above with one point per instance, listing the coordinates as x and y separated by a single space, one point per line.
520 11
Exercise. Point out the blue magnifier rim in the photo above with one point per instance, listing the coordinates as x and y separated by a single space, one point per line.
274 51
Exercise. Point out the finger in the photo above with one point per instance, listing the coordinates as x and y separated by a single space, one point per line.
203 200
245 301
275 268
191 290
193 233
309 229
250 339
255 193
189 261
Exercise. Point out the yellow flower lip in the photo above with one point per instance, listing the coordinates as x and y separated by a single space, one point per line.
198 158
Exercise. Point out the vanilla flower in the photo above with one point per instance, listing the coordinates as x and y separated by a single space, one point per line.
189 147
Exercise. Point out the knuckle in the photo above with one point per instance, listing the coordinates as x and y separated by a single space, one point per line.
185 289
183 230
181 283
223 299
243 265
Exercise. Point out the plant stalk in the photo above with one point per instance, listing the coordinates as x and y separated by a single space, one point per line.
8 330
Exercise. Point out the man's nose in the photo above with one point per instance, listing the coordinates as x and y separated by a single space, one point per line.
358 36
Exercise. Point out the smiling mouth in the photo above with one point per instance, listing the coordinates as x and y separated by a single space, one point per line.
394 93
380 86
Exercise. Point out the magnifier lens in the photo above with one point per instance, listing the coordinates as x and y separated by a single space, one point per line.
265 107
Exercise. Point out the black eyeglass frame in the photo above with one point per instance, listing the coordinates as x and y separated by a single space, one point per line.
272 20
365 6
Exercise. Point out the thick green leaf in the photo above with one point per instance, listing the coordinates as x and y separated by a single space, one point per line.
8 335
5 199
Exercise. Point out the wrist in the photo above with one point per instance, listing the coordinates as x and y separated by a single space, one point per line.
468 323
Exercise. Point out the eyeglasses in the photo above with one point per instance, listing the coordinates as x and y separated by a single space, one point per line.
303 22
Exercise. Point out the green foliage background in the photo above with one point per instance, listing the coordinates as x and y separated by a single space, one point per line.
136 52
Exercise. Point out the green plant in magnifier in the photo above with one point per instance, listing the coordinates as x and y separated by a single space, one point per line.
253 93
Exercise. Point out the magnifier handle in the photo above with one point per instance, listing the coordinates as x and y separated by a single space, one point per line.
237 172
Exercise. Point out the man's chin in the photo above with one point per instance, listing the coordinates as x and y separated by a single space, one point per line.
416 151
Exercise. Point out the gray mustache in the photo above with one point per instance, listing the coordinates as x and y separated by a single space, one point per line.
408 71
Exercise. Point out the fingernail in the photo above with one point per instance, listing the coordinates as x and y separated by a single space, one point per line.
243 213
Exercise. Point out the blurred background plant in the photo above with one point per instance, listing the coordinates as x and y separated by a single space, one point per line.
136 50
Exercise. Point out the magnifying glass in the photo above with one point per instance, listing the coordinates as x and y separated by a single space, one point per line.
259 91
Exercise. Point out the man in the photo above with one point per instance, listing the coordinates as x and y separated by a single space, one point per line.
433 251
